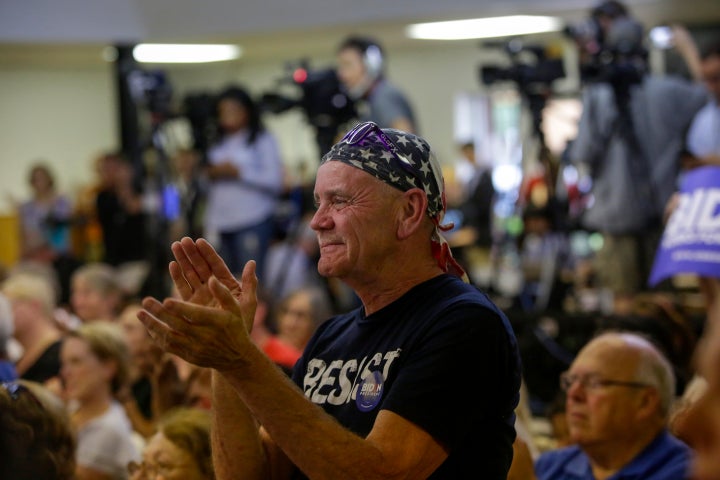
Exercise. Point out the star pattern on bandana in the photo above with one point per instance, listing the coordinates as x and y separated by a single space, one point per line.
402 140
366 150
375 158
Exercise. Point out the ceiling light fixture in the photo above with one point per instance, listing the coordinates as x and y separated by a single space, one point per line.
179 53
484 27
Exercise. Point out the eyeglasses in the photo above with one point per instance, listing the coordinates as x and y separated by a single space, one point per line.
594 381
360 132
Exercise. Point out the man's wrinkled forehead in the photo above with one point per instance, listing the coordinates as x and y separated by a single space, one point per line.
338 177
373 156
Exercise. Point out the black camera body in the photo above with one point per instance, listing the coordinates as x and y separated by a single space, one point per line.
322 99
529 76
614 54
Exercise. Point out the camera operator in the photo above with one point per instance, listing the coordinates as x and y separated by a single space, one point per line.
361 71
629 138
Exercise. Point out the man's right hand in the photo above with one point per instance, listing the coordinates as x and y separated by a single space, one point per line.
210 326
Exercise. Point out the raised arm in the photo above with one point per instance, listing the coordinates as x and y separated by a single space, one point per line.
236 443
313 441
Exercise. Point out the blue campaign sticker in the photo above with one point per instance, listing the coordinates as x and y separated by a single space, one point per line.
370 391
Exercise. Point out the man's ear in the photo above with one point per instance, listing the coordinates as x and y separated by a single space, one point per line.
411 214
648 403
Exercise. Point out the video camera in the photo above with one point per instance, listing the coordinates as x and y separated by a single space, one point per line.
151 89
321 98
539 73
533 76
615 54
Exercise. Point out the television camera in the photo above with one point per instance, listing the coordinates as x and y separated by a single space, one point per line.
614 54
321 98
533 70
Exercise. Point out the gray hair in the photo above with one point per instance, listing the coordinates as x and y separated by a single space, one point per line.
319 302
33 286
653 368
101 277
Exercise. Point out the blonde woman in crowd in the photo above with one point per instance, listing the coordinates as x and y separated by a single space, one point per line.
180 450
32 298
94 369
96 293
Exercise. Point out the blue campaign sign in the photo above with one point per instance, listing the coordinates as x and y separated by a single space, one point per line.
691 241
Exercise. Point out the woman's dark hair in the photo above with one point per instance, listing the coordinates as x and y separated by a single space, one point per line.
36 440
45 169
241 96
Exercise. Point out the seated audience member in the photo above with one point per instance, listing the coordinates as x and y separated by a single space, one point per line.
7 368
619 392
138 401
36 441
96 293
656 316
291 262
295 320
32 298
154 386
180 450
94 369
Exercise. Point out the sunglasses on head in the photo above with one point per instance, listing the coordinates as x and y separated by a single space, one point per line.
362 131
15 389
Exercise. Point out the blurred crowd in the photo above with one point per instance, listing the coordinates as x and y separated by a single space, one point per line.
103 402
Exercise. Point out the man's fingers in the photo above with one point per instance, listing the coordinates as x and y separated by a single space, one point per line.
181 284
223 296
249 280
215 263
158 330
186 266
186 317
196 259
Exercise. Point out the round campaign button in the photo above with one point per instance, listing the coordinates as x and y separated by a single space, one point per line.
370 391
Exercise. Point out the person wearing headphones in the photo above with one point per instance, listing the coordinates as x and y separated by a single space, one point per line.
630 138
360 69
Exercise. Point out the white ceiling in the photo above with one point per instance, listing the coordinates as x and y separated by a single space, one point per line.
72 31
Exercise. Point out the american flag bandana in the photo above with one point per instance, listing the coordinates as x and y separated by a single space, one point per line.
403 161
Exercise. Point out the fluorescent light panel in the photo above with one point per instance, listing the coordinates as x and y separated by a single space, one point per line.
484 27
179 53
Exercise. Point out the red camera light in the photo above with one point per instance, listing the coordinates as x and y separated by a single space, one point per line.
300 75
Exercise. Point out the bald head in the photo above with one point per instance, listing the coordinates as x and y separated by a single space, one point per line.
620 351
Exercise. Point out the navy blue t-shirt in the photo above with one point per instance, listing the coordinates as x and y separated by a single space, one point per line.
442 356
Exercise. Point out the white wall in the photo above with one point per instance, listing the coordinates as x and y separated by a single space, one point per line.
68 116
61 116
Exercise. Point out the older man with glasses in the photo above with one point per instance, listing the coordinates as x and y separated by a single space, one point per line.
619 392
421 381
